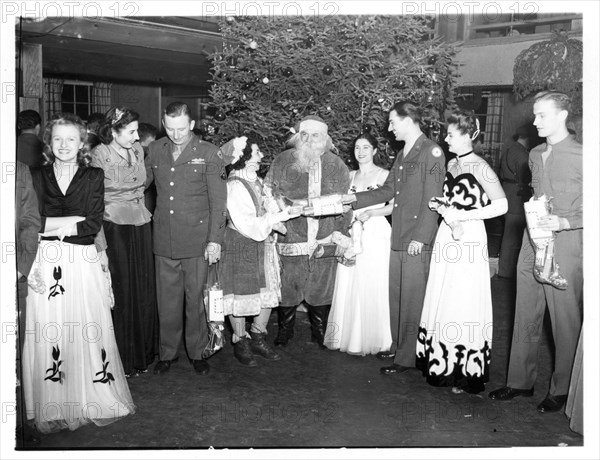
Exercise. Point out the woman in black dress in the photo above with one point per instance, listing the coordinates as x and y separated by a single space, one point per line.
72 373
128 234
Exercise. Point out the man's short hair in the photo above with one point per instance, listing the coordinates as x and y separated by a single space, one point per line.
146 130
28 119
94 121
561 100
176 109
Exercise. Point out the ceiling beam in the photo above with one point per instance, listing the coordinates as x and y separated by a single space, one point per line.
90 46
83 65
126 32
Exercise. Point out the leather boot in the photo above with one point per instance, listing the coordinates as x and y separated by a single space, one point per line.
243 352
259 346
318 323
286 318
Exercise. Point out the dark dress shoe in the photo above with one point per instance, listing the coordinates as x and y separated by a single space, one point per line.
508 393
552 403
393 369
162 366
200 366
386 354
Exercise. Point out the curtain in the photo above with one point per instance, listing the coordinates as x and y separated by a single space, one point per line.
101 97
53 96
493 127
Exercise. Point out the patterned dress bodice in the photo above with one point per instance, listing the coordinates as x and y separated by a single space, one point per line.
465 192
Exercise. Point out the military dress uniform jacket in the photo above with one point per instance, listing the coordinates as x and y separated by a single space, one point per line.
191 197
413 180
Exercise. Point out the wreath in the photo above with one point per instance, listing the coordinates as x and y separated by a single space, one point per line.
556 64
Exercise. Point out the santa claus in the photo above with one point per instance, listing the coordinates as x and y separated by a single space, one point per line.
310 169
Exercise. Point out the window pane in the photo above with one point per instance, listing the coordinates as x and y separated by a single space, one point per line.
82 110
67 92
67 107
82 93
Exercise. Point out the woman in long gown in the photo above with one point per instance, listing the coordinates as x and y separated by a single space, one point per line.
359 319
249 266
72 372
128 234
455 334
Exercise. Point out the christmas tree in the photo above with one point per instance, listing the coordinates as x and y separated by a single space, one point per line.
349 70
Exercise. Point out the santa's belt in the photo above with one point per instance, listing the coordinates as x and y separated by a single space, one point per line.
305 248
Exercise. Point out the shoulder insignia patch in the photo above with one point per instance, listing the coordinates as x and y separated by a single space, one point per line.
436 152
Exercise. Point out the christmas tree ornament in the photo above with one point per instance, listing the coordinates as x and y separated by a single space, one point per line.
246 86
327 70
288 72
210 129
362 69
253 45
265 80
232 62
257 80
230 19
220 116
244 97
329 108
361 38
386 104
309 42
431 60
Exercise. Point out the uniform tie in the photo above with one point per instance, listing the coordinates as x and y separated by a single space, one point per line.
176 152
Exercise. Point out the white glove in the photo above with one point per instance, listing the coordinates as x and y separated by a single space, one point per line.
68 230
438 203
35 281
341 240
496 208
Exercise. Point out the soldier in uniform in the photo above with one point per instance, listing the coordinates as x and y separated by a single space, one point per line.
416 176
556 169
515 176
189 224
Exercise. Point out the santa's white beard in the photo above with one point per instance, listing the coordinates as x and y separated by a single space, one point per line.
307 155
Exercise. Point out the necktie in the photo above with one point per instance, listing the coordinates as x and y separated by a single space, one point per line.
176 152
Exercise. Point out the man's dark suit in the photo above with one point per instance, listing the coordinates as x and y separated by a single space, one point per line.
29 150
28 224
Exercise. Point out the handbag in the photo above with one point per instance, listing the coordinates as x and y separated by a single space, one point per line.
213 306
